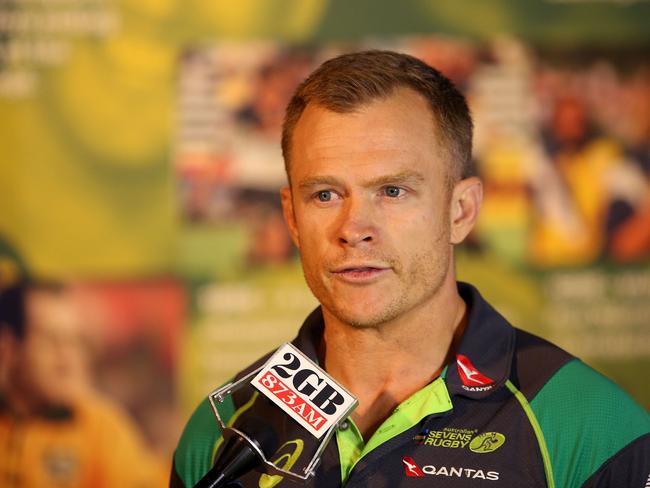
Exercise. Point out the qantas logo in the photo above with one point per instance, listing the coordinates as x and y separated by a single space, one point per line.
411 469
473 379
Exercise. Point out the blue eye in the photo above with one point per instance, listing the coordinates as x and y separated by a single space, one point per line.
324 196
392 191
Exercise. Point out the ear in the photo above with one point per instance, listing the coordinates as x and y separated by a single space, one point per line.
8 353
289 214
466 199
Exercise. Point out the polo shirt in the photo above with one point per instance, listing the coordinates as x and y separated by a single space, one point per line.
510 410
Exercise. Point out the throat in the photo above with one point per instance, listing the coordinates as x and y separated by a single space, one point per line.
376 406
383 368
369 419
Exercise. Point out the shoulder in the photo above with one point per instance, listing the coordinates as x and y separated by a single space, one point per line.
198 442
201 437
101 414
586 419
120 454
577 395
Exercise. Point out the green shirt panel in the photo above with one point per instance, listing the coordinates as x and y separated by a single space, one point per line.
200 438
585 419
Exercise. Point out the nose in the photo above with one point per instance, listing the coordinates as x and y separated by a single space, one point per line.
357 225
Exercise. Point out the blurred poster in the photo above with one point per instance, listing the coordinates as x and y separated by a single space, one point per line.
136 331
562 143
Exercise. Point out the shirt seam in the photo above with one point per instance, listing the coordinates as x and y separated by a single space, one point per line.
539 434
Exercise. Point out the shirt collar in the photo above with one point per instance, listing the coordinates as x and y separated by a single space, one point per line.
310 335
484 357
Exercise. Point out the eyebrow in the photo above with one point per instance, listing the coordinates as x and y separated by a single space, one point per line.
312 181
403 177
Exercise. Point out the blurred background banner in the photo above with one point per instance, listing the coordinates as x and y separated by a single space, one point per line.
140 155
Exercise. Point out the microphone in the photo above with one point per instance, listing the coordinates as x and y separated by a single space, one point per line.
240 454
304 392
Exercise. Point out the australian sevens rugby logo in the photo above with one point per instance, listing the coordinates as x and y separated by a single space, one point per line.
303 390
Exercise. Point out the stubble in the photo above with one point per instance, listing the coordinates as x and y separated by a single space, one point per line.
413 285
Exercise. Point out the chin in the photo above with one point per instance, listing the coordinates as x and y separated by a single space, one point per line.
367 318
359 309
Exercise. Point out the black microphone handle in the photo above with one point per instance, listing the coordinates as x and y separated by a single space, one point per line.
238 456
238 459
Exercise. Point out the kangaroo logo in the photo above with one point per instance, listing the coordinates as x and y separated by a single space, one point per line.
487 442
411 469
469 374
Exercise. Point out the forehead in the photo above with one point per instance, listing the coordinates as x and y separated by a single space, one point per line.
397 131
51 311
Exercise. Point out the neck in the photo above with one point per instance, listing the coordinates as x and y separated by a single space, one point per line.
383 366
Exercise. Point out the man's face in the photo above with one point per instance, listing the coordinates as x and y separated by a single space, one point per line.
53 361
369 208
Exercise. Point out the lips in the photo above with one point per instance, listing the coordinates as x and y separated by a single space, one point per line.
360 273
358 267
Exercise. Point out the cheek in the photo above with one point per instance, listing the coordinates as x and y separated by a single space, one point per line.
313 230
40 362
423 244
312 252
46 358
418 229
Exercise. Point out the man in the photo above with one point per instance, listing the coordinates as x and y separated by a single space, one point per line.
54 431
377 148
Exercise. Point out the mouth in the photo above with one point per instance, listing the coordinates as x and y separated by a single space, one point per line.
360 273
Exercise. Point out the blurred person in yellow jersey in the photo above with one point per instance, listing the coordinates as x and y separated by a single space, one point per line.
55 431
